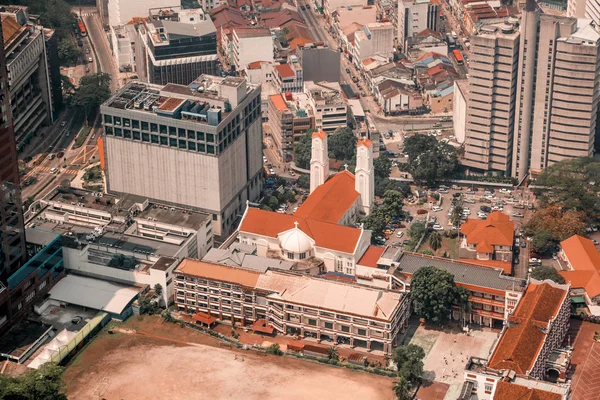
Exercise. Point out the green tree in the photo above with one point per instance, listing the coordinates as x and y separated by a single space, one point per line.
385 184
342 144
274 349
158 289
93 90
457 213
462 298
272 202
416 230
435 241
402 389
68 52
409 360
426 252
430 161
44 383
302 150
432 292
303 181
333 354
393 203
377 220
546 272
543 241
382 166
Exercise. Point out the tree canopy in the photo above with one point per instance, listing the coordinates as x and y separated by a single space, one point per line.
377 220
543 241
384 184
409 359
432 293
382 166
93 90
342 145
44 383
429 161
560 223
402 389
302 150
55 14
574 184
68 52
545 272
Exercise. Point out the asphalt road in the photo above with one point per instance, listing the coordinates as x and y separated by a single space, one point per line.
100 43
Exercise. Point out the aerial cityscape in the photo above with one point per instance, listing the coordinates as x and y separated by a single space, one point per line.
296 199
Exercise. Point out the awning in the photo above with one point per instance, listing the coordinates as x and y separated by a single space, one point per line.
263 327
204 318
295 346
578 300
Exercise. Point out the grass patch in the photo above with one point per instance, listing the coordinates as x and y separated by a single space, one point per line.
449 246
82 136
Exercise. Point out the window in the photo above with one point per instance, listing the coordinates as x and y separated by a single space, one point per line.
201 147
361 332
489 387
290 255
108 119
153 127
345 328
210 149
154 139
108 130
172 131
136 135
328 325
210 138
135 124
172 142
127 133
182 144
302 256
117 120
118 132
164 141
144 126
200 135
181 132
145 137
191 135
163 129
312 322
191 146
126 122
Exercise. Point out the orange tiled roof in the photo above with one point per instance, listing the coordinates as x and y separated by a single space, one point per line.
285 71
10 29
496 230
587 280
331 200
320 134
582 253
512 391
503 265
371 256
279 102
325 234
255 65
484 247
219 272
521 342
364 142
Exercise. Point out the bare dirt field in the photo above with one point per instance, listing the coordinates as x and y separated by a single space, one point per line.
164 360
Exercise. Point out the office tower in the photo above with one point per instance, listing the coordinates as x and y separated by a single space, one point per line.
176 46
12 233
491 106
197 146
414 16
558 91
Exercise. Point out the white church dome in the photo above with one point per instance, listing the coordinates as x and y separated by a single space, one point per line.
295 241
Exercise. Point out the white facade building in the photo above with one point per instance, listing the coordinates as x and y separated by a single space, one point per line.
250 45
577 8
196 146
459 111
376 39
414 16
319 160
329 105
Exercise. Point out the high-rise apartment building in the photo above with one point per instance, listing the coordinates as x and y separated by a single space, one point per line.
491 107
414 16
197 146
557 91
533 94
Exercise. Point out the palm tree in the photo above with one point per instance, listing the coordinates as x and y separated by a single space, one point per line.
435 241
333 353
402 389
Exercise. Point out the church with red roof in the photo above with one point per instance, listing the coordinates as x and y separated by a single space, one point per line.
322 227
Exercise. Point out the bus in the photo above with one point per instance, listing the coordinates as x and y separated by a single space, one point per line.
82 28
458 56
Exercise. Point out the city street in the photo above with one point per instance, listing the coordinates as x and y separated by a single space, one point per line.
100 43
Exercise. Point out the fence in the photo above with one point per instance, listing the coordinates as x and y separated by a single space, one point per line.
77 341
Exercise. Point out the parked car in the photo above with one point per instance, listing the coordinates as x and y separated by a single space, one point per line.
535 261
302 8
436 208
396 244
388 232
519 206
470 201
63 124
518 215
54 170
523 244
399 234
437 227
486 209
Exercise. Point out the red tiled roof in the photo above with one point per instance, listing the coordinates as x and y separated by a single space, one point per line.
255 65
512 391
285 71
219 272
484 247
325 234
279 102
521 342
331 200
371 256
496 230
204 318
321 134
364 142
582 253
587 280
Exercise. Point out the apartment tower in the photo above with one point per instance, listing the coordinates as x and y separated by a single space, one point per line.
491 109
558 67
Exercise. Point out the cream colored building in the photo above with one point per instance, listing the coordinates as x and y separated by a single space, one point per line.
329 105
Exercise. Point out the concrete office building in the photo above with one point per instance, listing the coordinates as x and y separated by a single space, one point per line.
329 105
120 12
459 111
177 49
491 106
197 146
288 122
28 69
319 63
577 9
250 45
375 39
414 16
558 93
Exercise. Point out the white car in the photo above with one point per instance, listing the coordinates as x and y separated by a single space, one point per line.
438 227
264 159
535 261
63 124
54 170
399 234
482 215
466 211
436 208
503 190
497 208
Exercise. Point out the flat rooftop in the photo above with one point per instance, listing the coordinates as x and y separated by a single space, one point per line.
467 274
136 244
107 203
21 337
175 216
